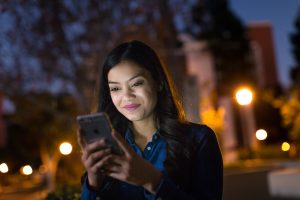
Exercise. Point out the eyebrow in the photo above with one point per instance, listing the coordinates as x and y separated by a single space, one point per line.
114 82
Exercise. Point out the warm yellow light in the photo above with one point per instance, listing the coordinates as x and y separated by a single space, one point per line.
26 170
65 148
244 96
261 134
285 146
3 168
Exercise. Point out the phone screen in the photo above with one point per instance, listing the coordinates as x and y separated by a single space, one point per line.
97 126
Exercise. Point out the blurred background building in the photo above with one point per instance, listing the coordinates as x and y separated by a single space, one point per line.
262 43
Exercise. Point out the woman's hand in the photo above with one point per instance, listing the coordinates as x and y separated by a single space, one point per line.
130 167
94 158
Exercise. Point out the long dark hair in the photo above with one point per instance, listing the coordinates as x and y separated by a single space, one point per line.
169 110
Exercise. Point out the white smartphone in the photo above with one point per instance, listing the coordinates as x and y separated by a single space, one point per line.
97 126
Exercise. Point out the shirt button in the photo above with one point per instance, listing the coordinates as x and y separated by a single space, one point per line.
148 148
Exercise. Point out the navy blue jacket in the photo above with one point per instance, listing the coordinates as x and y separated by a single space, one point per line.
204 175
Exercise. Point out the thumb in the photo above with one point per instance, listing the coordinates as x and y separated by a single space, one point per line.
122 143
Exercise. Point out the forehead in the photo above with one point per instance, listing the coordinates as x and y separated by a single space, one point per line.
126 70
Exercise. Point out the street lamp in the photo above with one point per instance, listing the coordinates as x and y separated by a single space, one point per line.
244 97
26 170
65 148
261 134
3 168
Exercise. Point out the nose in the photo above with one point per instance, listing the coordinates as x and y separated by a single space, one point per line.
128 93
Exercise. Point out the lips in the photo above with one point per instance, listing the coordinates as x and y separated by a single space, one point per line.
131 107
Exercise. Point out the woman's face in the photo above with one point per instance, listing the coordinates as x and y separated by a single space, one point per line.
133 91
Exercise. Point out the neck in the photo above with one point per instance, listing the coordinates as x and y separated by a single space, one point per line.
144 129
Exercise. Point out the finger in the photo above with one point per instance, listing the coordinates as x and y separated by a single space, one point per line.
116 175
95 146
112 168
122 143
92 159
117 160
102 164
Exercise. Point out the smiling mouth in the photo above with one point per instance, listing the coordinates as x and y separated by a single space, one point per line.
131 107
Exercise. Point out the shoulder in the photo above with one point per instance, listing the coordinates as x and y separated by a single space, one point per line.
200 133
199 130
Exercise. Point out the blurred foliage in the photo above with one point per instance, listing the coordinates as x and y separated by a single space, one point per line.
41 120
70 170
65 192
60 45
295 42
268 117
289 102
212 117
290 111
289 106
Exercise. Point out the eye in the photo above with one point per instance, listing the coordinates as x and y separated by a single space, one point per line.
114 89
138 83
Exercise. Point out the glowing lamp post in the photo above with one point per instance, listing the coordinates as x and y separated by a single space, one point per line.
3 168
65 148
261 134
244 97
26 170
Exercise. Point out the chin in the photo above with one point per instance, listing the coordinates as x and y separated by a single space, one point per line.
133 118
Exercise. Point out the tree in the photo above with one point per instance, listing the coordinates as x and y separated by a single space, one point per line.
64 42
295 40
41 123
290 110
289 103
213 21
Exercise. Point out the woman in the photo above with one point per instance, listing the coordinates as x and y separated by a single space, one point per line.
164 156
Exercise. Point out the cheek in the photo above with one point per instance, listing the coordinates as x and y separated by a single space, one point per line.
114 99
152 98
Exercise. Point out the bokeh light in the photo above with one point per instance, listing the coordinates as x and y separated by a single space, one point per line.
244 96
26 170
65 148
3 168
261 134
285 146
